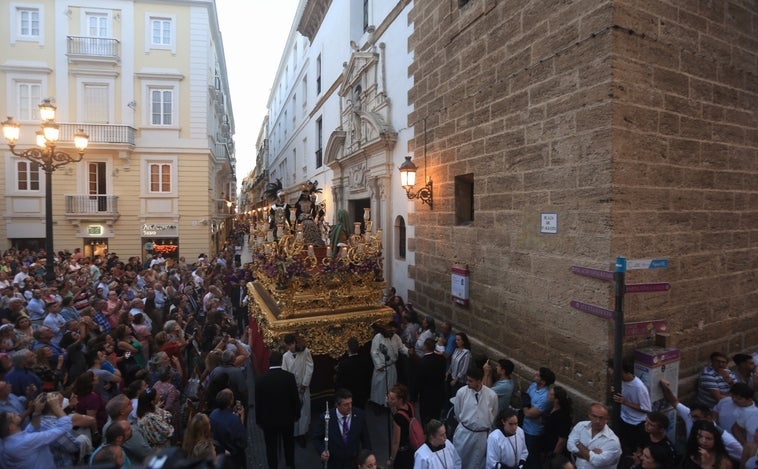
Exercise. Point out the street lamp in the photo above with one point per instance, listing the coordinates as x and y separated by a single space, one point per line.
408 178
49 160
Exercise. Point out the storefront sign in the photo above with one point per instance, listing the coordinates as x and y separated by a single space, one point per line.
95 230
160 230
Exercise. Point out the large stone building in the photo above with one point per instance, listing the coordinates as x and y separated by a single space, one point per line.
634 125
147 81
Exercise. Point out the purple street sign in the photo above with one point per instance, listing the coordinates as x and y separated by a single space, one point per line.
644 328
590 272
647 287
592 309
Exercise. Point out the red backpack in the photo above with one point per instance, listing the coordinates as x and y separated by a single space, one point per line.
416 436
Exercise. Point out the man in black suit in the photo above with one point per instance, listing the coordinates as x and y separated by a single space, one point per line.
348 432
277 408
429 383
354 374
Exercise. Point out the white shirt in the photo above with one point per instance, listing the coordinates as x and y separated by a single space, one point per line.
636 392
445 458
605 440
508 450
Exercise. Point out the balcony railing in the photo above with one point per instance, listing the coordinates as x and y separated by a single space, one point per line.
99 133
95 47
89 205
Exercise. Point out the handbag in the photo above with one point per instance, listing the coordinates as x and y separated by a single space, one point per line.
191 391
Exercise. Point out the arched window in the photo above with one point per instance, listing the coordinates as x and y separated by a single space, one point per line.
400 237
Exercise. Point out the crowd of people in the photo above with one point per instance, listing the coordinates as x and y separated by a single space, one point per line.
495 424
113 361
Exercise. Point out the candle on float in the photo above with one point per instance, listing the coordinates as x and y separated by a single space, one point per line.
311 251
357 226
328 251
326 425
343 252
293 214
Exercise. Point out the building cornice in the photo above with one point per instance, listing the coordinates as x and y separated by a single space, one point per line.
313 15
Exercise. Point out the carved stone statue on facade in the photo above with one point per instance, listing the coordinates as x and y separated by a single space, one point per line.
355 100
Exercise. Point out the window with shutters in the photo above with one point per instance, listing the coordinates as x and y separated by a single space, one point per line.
27 176
160 177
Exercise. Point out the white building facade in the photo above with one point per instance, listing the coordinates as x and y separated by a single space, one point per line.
338 114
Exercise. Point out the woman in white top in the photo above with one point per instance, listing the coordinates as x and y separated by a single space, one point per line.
427 332
506 447
437 452
459 363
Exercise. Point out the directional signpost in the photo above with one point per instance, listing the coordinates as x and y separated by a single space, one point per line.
594 273
646 287
619 328
641 264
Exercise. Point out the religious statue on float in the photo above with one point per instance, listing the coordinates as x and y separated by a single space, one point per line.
278 214
310 214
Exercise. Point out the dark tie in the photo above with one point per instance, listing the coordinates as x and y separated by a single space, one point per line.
345 428
477 397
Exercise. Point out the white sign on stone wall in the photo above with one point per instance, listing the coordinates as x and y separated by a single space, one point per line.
549 223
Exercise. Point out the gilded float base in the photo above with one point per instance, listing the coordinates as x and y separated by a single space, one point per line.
326 331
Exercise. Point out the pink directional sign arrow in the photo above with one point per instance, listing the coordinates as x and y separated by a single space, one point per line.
592 309
590 272
647 287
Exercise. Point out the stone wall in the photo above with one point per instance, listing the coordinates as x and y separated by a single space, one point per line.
633 126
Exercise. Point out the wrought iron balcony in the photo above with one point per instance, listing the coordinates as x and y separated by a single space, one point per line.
99 133
93 48
98 207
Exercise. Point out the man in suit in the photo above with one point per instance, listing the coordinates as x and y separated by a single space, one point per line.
354 374
429 383
347 431
277 408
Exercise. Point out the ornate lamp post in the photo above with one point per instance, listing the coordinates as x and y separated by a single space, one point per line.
49 160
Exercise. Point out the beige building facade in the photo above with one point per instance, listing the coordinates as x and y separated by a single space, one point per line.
147 82
565 134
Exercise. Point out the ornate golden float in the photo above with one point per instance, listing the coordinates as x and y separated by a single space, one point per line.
323 296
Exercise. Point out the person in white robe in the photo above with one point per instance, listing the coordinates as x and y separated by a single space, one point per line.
437 452
385 349
506 444
475 407
299 361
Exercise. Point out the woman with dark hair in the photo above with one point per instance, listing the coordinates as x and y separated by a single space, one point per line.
459 363
366 459
705 448
506 446
401 453
558 422
128 347
88 401
168 393
437 452
154 422
23 332
656 457
428 329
